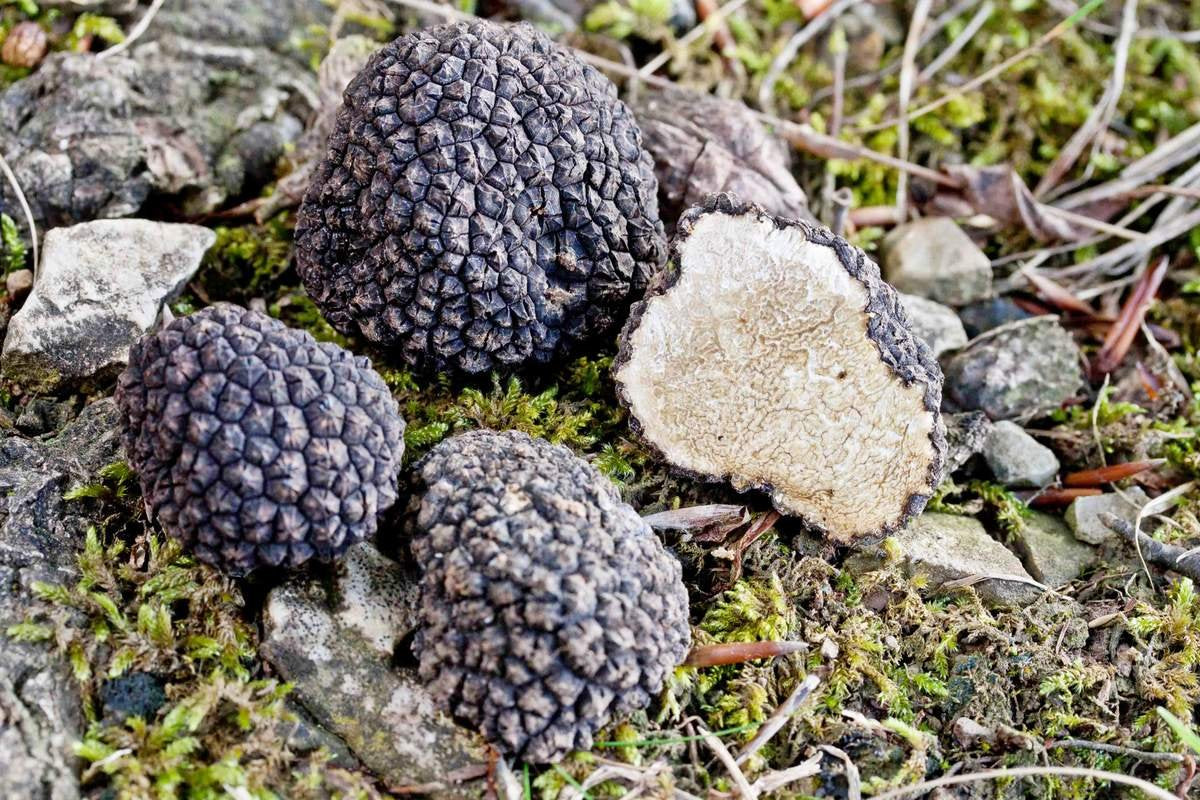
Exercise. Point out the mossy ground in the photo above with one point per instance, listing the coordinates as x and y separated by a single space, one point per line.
899 664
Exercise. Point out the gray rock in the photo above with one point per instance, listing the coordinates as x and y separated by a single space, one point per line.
1017 371
197 122
965 434
933 323
40 706
984 315
18 283
382 712
945 547
1049 551
377 597
703 144
267 24
102 285
1016 458
1083 516
43 415
933 258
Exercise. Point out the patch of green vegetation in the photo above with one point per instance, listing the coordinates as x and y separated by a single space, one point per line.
88 25
247 261
980 496
12 249
141 604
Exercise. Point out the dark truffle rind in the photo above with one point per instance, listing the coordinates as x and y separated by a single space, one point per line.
548 605
905 355
254 443
485 202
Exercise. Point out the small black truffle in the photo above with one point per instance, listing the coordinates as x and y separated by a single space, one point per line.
548 605
485 202
254 443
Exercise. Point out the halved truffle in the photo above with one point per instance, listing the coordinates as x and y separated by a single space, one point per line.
254 443
774 356
484 203
548 605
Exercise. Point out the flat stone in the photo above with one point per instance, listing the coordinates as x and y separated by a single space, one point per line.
946 547
934 258
102 285
377 597
980 317
40 707
382 712
933 323
1083 516
1049 551
1018 371
966 433
18 283
1016 458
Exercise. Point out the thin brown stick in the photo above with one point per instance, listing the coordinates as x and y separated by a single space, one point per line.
788 52
1057 498
991 74
1116 750
1129 322
1101 114
1111 474
781 715
1161 554
718 655
955 47
908 75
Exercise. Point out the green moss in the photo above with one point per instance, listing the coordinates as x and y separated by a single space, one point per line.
12 249
248 261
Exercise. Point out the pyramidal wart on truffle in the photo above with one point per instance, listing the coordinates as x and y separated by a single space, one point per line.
548 606
254 443
484 202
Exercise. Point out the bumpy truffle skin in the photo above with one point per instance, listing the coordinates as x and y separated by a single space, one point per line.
254 443
484 203
548 606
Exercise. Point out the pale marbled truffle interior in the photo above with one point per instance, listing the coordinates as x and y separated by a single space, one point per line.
757 365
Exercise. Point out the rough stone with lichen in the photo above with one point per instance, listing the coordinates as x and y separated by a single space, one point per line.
484 202
549 607
255 444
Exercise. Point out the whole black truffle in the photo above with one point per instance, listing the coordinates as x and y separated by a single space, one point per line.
254 443
484 202
548 605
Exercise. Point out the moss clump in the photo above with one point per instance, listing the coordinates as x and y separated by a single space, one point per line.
141 606
248 261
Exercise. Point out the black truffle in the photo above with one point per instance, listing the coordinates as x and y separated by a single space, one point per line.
485 202
548 605
254 443
777 358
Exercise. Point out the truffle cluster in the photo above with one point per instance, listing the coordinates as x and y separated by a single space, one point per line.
548 605
484 202
254 443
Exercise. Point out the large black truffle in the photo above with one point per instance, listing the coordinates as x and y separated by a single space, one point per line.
485 202
548 606
254 443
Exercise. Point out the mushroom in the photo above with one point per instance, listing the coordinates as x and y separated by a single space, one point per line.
777 358
484 202
547 605
254 443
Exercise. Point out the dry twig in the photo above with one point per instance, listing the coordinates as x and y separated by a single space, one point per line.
135 33
1161 554
11 177
1021 772
788 53
908 75
780 716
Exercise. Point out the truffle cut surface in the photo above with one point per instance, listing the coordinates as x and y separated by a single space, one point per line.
776 357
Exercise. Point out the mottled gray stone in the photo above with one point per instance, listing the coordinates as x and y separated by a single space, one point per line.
982 316
933 258
1049 551
1016 458
945 547
935 324
197 122
350 686
1083 516
376 596
40 706
965 434
1016 371
101 286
